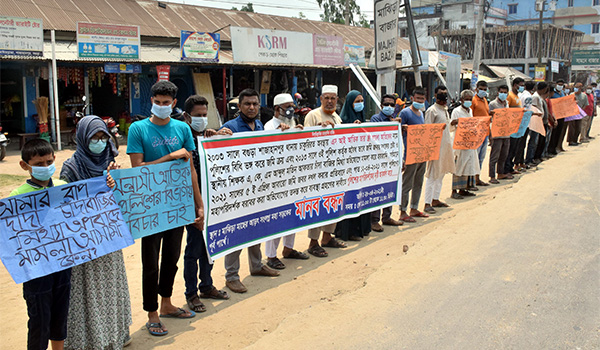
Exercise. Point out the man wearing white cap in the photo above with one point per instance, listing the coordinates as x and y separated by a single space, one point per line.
283 105
324 116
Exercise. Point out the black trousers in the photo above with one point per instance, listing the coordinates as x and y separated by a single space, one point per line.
155 281
554 138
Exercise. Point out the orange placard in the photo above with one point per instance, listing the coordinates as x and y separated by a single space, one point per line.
423 142
536 123
563 107
470 132
506 121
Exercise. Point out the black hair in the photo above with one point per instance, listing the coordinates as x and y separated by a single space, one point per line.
594 84
164 88
193 101
387 96
419 91
542 85
247 93
36 147
439 87
482 83
530 84
504 86
517 81
560 81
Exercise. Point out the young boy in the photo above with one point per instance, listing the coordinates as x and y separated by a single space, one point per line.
155 140
47 297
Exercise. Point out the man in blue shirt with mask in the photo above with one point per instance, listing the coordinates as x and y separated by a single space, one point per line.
388 103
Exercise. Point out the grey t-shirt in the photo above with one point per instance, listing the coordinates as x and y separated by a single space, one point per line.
582 100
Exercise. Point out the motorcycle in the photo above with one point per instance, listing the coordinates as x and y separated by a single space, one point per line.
76 119
113 127
4 141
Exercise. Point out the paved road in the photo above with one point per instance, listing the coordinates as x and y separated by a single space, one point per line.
520 271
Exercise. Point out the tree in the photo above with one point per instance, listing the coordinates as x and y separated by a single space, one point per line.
245 8
302 15
334 11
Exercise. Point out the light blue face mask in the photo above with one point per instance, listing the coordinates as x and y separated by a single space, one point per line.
359 106
482 93
467 104
43 173
502 96
199 123
162 112
387 110
575 89
418 105
521 88
98 146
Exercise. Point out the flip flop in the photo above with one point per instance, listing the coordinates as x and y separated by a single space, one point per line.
420 214
156 325
178 313
408 219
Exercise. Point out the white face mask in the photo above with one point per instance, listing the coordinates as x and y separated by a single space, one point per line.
162 112
199 123
588 91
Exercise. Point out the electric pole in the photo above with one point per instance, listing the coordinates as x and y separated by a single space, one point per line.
478 43
541 8
347 13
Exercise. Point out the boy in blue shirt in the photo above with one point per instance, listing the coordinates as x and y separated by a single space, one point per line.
412 178
155 140
47 297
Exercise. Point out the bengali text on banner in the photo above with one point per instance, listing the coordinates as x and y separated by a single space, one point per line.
50 230
260 185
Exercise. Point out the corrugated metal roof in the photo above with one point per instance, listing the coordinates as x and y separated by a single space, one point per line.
155 21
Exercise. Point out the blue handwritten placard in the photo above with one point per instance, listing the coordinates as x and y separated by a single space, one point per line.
155 198
50 230
523 126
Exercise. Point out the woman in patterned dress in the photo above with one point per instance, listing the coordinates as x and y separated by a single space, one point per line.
100 309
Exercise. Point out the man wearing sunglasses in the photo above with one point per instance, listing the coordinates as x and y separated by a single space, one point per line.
388 104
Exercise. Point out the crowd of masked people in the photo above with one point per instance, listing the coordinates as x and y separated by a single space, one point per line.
88 306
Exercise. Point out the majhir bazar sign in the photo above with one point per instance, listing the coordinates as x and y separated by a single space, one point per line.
261 185
21 36
386 33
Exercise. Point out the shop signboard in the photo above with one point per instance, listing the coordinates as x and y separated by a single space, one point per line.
555 66
354 54
200 47
271 46
386 33
108 41
586 60
21 36
163 72
123 68
540 73
328 50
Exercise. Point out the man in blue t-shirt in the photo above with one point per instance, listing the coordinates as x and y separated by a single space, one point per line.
155 140
248 120
412 178
388 104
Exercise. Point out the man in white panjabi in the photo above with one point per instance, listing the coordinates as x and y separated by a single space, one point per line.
467 160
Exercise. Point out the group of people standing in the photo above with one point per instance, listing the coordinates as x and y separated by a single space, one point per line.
94 300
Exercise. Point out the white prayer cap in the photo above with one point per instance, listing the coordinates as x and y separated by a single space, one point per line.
332 89
282 98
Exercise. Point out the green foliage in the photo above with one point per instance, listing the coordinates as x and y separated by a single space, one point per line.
334 11
245 8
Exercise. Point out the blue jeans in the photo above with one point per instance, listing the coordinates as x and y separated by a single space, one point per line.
481 151
531 146
196 256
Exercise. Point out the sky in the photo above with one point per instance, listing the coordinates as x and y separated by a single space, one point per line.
309 8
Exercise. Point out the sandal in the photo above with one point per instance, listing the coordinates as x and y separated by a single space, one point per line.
215 294
156 325
195 304
419 214
408 218
355 238
494 181
334 243
275 263
317 251
296 255
180 313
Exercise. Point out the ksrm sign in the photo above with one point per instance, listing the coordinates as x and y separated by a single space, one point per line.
386 34
271 46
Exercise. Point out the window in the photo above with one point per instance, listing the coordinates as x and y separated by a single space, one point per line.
463 27
595 28
570 3
596 3
446 25
403 33
512 9
428 30
464 8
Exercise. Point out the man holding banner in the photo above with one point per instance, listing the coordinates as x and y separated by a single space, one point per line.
156 140
247 121
467 160
500 144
